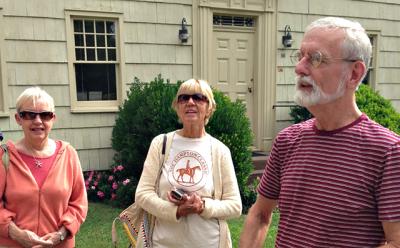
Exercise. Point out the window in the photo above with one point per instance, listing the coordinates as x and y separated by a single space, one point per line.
95 42
237 21
370 78
94 62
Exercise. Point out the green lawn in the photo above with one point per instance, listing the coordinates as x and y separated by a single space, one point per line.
96 231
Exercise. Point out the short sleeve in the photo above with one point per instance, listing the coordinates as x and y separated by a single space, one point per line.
388 189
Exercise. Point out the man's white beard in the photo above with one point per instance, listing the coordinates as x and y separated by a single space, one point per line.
316 96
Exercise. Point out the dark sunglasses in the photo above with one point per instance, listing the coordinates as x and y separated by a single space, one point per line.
44 116
196 98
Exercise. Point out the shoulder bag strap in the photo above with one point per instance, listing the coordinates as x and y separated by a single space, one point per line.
114 236
148 218
161 162
164 145
5 157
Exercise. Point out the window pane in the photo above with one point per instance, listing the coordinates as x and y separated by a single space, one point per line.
99 26
111 40
110 27
89 26
95 82
90 40
90 54
101 54
243 21
112 56
101 40
79 54
366 78
78 40
78 26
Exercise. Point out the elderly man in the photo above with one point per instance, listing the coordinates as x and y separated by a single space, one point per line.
336 177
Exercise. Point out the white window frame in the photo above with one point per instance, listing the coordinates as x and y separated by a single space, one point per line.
101 105
372 76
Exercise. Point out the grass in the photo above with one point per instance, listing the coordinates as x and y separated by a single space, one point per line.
96 231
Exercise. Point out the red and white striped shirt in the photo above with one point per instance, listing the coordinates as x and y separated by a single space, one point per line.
334 187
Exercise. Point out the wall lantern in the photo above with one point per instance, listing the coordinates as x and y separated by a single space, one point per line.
183 32
287 37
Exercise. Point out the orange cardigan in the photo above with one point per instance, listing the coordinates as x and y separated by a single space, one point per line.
61 201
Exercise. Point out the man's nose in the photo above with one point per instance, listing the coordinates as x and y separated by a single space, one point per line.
302 67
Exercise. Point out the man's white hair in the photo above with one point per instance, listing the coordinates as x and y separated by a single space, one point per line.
356 44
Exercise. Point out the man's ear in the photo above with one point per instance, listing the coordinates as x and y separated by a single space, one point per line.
357 72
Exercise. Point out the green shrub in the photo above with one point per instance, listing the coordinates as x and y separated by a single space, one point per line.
147 112
231 125
299 114
370 102
378 108
144 114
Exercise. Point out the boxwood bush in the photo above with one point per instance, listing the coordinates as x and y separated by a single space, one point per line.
147 112
370 102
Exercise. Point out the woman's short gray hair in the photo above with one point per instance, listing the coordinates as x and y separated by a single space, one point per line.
192 86
356 44
34 94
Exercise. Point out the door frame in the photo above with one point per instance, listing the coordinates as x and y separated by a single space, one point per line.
264 63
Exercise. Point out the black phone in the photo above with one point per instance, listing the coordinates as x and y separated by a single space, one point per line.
177 194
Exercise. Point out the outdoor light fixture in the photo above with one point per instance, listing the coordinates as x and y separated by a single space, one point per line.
287 37
183 32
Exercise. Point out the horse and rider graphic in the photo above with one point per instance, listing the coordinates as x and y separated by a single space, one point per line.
190 171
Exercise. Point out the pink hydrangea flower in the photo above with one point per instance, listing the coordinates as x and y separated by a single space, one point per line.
115 185
110 178
95 183
120 167
100 194
126 181
113 196
91 175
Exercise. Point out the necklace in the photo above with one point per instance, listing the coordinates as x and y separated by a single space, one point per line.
49 148
38 163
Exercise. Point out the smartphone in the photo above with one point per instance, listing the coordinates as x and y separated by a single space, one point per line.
177 194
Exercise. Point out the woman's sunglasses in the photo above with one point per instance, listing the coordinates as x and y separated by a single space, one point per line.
183 98
44 116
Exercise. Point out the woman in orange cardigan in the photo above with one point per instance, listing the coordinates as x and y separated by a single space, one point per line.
43 199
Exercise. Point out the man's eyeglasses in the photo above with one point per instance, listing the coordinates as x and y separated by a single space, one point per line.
183 98
315 58
29 115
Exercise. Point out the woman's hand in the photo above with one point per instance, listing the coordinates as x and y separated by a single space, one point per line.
190 204
27 238
176 201
55 237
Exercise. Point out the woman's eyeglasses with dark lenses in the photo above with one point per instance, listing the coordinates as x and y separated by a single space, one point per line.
183 98
29 115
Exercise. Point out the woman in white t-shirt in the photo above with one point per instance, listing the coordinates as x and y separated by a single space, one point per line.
200 168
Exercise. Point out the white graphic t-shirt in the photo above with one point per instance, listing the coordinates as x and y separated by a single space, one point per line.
188 167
